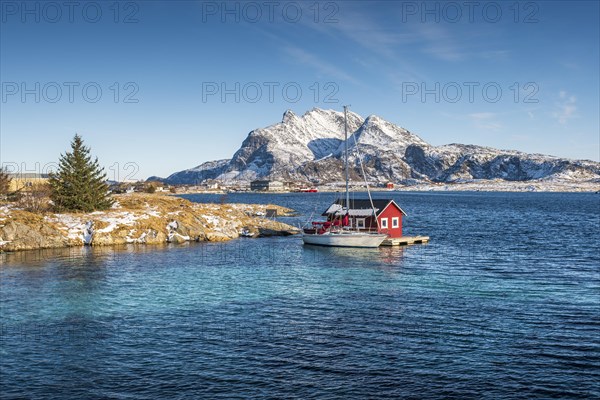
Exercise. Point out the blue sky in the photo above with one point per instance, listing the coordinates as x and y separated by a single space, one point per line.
180 81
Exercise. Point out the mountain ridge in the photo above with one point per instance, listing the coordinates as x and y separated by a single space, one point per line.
310 148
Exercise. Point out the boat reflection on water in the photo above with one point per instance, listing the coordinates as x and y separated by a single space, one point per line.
350 257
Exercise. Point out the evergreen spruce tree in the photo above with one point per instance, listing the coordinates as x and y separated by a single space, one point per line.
80 183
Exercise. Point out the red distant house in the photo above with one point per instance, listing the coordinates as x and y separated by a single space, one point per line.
360 215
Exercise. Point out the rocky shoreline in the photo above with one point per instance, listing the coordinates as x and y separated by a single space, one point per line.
138 218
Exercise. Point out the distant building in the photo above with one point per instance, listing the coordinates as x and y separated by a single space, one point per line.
265 185
276 186
20 181
259 185
389 185
212 185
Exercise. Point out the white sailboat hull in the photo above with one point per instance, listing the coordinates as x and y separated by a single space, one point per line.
345 239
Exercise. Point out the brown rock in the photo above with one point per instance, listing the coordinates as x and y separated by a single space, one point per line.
22 236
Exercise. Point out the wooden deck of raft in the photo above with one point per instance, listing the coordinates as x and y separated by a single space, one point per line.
405 240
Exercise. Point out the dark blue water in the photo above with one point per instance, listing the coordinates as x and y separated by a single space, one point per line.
503 303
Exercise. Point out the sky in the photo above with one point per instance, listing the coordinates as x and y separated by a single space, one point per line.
156 87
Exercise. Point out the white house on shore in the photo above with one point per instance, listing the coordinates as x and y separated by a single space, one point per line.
267 186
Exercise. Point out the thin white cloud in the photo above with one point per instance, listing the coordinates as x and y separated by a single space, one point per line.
485 121
566 108
378 46
439 43
444 44
387 43
571 65
356 25
482 115
520 138
495 55
489 126
388 48
322 67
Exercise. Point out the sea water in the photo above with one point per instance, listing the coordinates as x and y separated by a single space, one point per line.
503 302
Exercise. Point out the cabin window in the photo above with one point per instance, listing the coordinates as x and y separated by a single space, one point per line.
384 223
360 223
395 222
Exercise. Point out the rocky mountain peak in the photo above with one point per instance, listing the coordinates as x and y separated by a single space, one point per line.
288 116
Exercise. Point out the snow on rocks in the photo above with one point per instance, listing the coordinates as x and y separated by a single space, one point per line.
215 221
73 225
85 226
114 220
4 213
173 236
88 232
246 233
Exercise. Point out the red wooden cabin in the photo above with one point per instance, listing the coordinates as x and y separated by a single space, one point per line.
360 215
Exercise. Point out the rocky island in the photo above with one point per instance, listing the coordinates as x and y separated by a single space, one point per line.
138 218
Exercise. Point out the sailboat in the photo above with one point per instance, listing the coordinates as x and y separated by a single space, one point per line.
337 231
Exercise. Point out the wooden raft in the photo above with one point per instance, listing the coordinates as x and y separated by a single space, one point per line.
405 240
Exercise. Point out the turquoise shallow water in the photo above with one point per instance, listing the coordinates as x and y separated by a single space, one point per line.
504 302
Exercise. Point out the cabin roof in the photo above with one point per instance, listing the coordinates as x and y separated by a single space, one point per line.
360 207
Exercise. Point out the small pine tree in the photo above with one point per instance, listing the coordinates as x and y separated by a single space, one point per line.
151 189
4 182
80 183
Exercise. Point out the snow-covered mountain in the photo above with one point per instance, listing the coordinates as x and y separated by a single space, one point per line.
311 147
207 170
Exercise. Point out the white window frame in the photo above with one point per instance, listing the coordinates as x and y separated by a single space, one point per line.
360 223
384 223
395 222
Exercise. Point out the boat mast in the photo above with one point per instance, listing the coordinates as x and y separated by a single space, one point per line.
346 157
362 169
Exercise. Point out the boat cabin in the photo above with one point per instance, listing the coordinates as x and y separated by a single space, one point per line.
360 216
